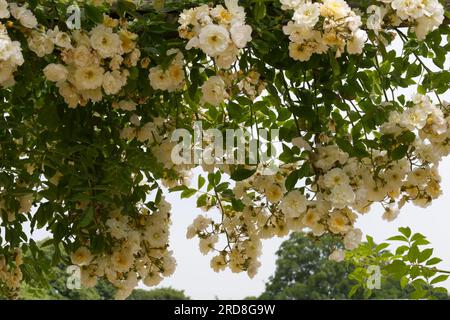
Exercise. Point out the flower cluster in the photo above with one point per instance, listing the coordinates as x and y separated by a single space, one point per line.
220 87
220 32
10 272
139 251
157 134
171 78
343 187
243 248
252 84
317 27
93 64
10 51
214 91
423 15
10 58
23 15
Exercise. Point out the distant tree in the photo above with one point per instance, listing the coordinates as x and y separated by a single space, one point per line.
304 272
158 294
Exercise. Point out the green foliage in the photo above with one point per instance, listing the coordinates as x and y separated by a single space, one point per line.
65 169
304 272
158 294
411 264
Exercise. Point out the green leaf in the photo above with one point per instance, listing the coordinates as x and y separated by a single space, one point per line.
398 238
433 261
406 231
418 294
425 254
242 174
397 268
400 152
353 290
417 236
260 11
440 278
93 13
202 200
381 247
404 282
413 254
87 218
201 181
291 180
188 193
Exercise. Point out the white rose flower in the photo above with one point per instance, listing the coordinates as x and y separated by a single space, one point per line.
213 39
4 12
236 11
342 196
25 16
336 9
105 42
159 79
213 91
55 72
307 14
352 239
338 223
291 4
337 255
241 34
218 263
90 77
426 24
40 43
300 51
390 214
82 56
301 143
226 59
68 92
61 39
153 279
127 105
335 178
408 8
81 257
356 44
121 260
312 217
113 81
293 204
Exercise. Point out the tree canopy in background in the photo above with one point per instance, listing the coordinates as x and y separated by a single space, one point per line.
93 111
304 271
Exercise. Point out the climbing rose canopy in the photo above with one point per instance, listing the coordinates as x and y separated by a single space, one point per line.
87 119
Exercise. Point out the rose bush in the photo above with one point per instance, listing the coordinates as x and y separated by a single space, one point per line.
87 117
